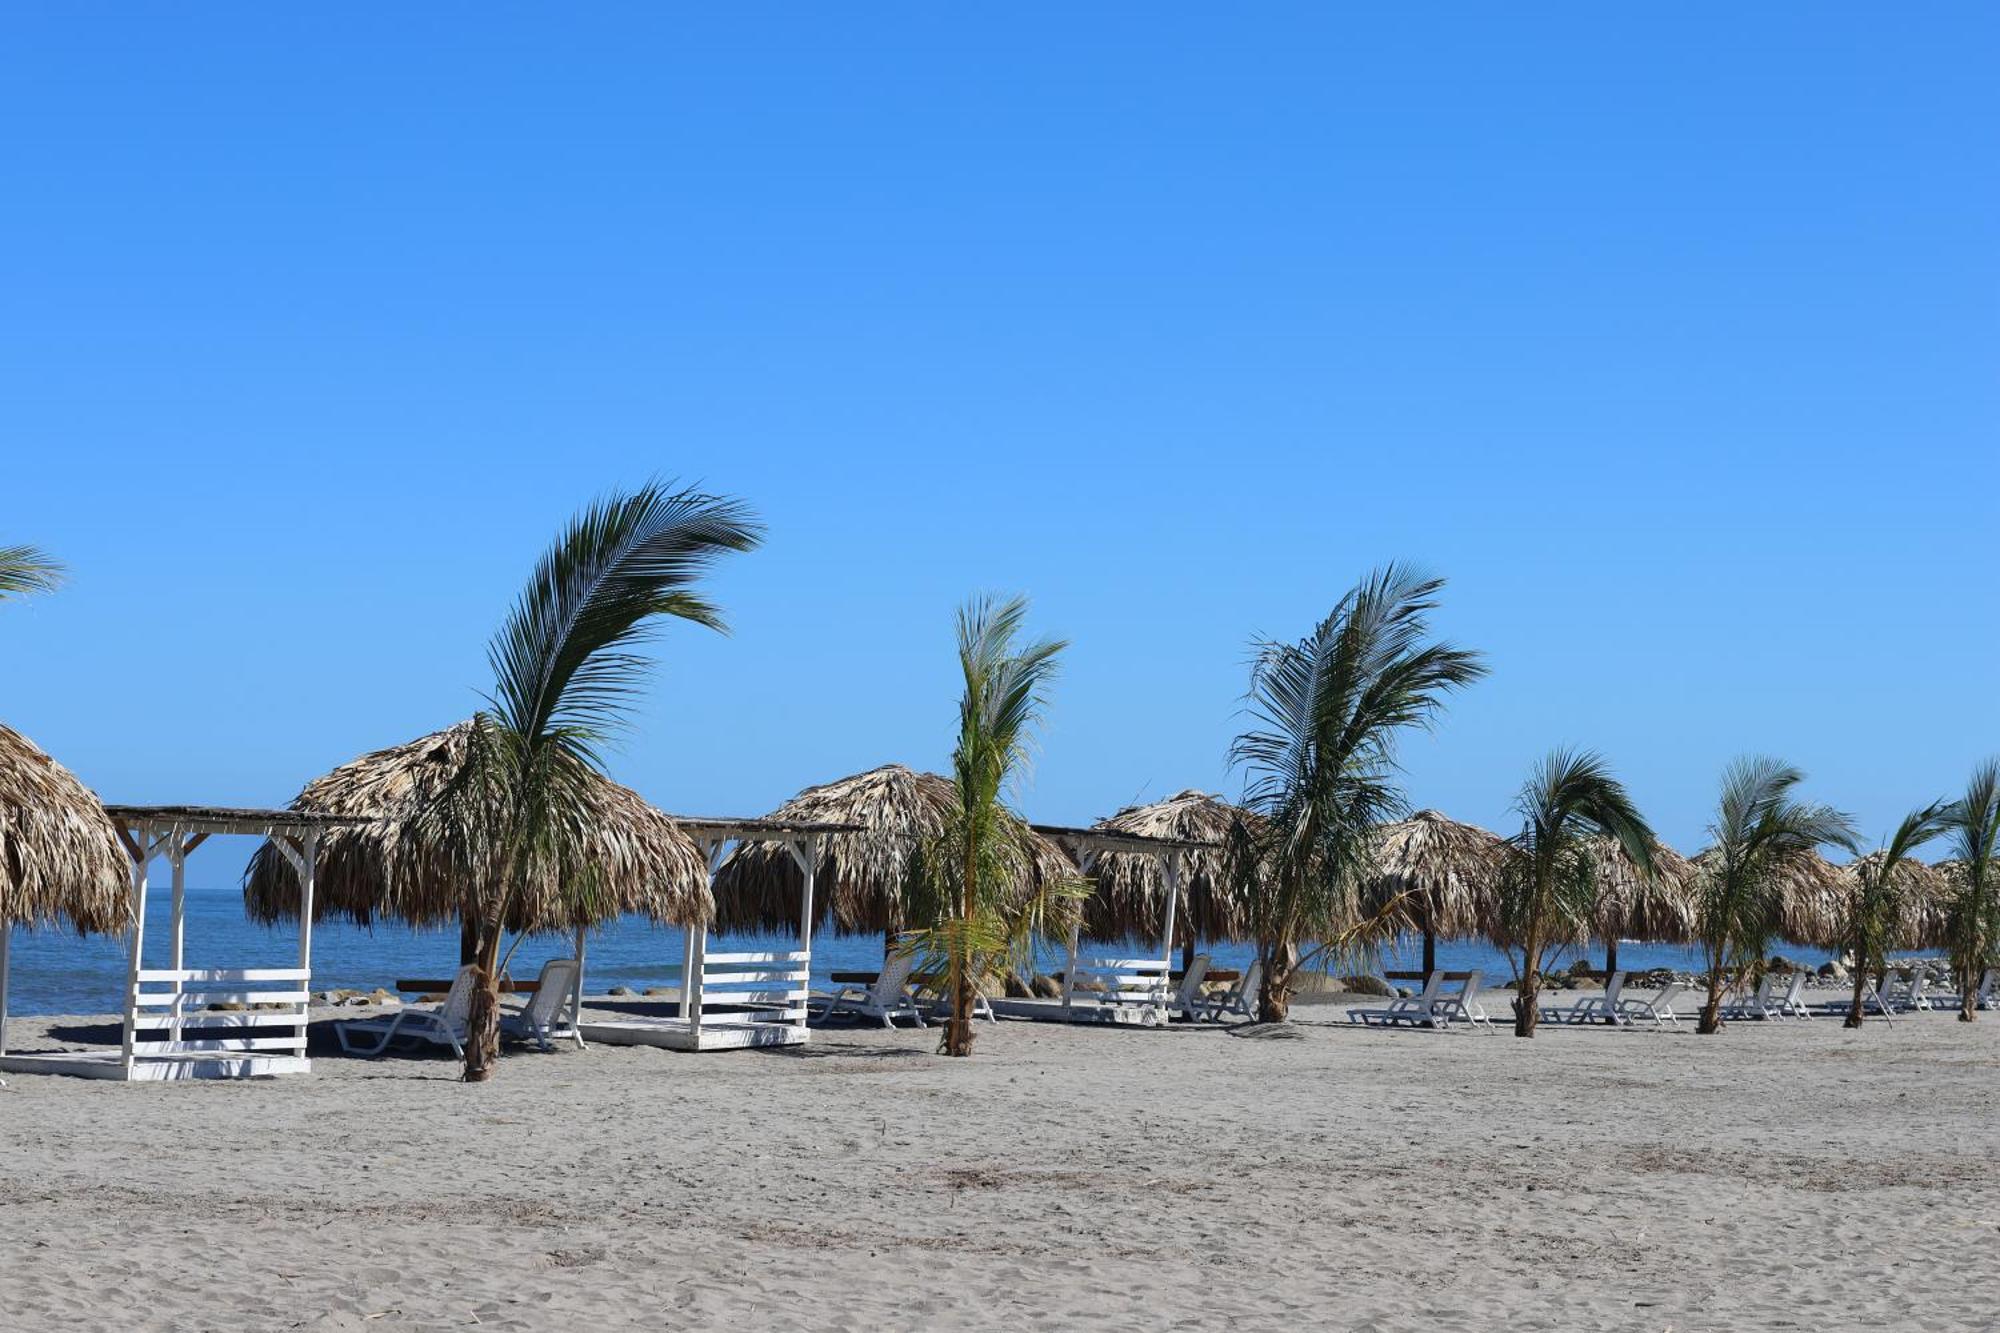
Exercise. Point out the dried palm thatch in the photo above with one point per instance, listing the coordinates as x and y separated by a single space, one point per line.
1447 873
638 860
1812 899
1923 899
60 859
863 881
1131 886
1632 906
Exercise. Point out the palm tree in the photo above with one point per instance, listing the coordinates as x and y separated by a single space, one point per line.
26 569
1974 822
1549 887
1321 764
985 846
1875 906
566 672
1762 836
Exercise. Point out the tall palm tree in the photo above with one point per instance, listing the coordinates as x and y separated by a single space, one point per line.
1875 907
1321 766
1974 823
1761 836
567 670
1549 887
984 848
27 569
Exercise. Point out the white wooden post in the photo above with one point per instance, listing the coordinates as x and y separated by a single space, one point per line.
576 993
699 952
141 858
1173 869
1086 861
308 882
177 860
806 855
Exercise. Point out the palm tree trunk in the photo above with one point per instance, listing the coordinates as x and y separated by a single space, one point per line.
482 1023
1274 993
1610 953
1853 1019
1968 1001
958 1032
1527 1001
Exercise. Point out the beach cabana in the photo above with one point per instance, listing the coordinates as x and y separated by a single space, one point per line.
1130 890
1923 896
1631 906
740 998
380 863
1446 873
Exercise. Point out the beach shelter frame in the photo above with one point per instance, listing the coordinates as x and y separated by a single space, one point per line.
167 1030
738 999
1134 990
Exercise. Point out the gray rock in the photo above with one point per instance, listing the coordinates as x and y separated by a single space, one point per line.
1363 984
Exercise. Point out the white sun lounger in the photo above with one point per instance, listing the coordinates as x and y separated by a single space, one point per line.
1792 1004
1187 999
1463 1004
1919 996
1236 1001
442 1026
1757 1004
1591 1008
541 1019
1660 1008
887 1000
1987 994
1422 1008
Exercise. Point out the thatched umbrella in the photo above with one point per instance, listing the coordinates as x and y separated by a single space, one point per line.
1633 906
385 869
1812 899
1131 886
60 859
1448 871
1923 896
862 879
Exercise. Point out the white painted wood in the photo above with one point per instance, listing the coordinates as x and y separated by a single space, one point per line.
745 978
198 1045
232 1018
788 956
808 858
177 864
218 993
153 974
576 994
139 865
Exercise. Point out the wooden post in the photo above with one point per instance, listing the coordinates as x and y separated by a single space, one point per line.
1086 861
177 860
308 883
576 993
141 857
6 938
806 855
1167 937
698 950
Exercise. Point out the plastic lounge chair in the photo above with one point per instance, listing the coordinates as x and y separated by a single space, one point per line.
1412 1009
1187 997
541 1019
1464 1004
1987 994
1792 1004
887 1000
1757 1004
442 1026
1919 997
1235 1001
1660 1008
1591 1008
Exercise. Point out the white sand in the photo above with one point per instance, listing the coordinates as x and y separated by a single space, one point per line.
1787 1175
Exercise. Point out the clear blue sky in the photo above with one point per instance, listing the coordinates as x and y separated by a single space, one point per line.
1666 332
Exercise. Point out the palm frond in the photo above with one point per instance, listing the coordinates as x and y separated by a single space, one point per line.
27 569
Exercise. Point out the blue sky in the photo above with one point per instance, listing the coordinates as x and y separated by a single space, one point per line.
1667 333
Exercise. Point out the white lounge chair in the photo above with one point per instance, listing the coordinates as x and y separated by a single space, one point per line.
1237 1001
887 1000
1660 1008
1412 1009
442 1026
1187 998
1919 995
1591 1008
1987 994
1464 1003
1892 993
1757 1004
1792 1004
541 1019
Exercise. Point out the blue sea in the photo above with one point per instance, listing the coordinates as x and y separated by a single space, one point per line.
58 973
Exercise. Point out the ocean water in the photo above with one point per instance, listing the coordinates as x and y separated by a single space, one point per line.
57 973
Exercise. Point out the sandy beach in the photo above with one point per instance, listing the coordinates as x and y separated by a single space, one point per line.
1788 1175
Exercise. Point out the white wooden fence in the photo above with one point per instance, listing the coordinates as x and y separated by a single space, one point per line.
756 987
1133 981
168 1003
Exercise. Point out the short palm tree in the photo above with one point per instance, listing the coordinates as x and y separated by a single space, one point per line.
1321 767
1875 906
966 873
1974 824
1761 835
566 672
26 569
1548 890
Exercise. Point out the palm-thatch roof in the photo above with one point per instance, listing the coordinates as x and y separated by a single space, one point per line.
1812 898
1131 885
60 859
1447 873
640 860
861 883
1923 897
1631 906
